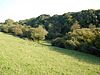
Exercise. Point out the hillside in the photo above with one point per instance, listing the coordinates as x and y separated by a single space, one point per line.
24 57
73 30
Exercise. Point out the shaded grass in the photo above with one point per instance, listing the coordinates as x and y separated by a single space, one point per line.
24 57
78 55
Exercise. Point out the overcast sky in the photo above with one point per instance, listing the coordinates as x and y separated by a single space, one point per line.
24 9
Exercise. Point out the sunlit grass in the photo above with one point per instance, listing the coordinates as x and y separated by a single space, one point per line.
24 57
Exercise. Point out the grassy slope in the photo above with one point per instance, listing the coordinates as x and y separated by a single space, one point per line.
23 57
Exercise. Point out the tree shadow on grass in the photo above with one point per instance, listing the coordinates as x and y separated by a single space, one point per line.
84 57
78 55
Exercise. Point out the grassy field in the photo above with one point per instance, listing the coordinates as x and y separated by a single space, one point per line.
24 57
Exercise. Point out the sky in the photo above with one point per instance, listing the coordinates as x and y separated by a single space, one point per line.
24 9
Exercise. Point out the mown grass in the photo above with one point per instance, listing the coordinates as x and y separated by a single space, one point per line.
24 57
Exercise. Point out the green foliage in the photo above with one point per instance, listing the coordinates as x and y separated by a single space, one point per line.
5 28
97 41
26 31
85 39
57 26
40 33
60 24
32 33
59 42
75 26
72 44
17 30
86 17
9 22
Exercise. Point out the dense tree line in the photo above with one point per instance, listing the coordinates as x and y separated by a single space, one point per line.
58 25
24 31
74 30
85 40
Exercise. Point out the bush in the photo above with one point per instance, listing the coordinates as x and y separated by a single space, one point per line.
97 41
26 31
32 33
39 33
72 44
5 28
17 30
85 40
59 42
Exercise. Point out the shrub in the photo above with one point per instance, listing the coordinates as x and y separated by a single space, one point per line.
97 41
5 28
75 26
85 39
72 44
26 31
59 42
17 30
32 33
40 33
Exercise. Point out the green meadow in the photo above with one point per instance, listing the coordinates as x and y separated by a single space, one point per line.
25 57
